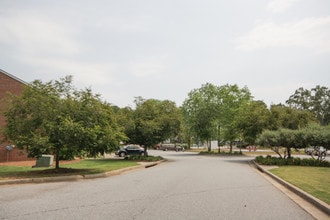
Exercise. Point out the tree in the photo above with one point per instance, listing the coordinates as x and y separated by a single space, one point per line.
251 120
231 98
54 118
312 135
125 118
282 137
316 100
154 122
201 112
101 132
287 117
211 108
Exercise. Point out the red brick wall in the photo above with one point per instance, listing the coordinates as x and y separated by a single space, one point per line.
14 86
13 155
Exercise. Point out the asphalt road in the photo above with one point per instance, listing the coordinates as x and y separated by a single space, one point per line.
188 186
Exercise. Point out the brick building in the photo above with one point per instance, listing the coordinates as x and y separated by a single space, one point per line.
9 84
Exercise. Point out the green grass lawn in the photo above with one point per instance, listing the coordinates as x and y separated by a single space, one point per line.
313 180
89 166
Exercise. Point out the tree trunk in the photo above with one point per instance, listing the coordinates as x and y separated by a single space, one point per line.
277 151
145 151
231 147
208 146
57 158
289 152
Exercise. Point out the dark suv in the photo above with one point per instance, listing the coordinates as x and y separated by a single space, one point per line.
130 150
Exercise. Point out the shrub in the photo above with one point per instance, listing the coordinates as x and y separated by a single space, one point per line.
221 153
144 158
296 161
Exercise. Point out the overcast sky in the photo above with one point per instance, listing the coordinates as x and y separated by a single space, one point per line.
122 49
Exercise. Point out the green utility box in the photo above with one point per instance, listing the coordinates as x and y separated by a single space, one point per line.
44 161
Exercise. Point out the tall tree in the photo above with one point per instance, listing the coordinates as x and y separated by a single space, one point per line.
125 118
209 109
316 100
154 122
201 112
282 116
231 99
54 118
251 120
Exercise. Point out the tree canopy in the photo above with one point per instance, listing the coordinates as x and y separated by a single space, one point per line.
282 116
316 100
312 135
201 111
154 121
55 118
211 109
251 119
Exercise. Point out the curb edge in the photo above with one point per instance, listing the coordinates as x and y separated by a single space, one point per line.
311 199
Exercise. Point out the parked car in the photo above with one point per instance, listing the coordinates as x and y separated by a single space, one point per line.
166 147
130 150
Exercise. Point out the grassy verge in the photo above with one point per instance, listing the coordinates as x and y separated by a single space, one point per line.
89 166
313 180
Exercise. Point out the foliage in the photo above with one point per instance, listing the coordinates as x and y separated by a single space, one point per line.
144 158
210 111
254 117
223 153
251 119
201 110
316 100
125 119
54 118
154 121
293 161
287 117
313 135
231 99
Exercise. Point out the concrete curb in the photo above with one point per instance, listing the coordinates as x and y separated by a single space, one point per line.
79 177
311 199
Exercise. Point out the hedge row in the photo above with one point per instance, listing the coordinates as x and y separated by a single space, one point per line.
295 161
221 153
144 158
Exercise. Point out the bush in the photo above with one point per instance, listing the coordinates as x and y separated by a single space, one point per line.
221 153
144 158
295 161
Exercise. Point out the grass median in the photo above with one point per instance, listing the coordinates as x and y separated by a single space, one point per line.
313 180
82 167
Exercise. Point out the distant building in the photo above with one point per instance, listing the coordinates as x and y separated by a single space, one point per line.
14 85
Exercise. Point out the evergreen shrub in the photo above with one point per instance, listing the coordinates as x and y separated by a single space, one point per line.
294 161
